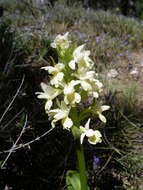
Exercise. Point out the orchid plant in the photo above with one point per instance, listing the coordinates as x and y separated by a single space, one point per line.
72 97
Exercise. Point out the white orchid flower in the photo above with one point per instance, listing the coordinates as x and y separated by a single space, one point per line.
61 114
49 94
61 41
81 57
71 97
56 72
89 82
94 136
86 78
96 87
57 79
99 112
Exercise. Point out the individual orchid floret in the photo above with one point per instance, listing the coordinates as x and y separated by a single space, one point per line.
61 113
89 82
49 94
61 41
86 78
81 57
96 88
71 97
57 73
99 112
94 136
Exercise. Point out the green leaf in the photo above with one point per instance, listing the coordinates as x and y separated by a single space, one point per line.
58 102
73 180
52 59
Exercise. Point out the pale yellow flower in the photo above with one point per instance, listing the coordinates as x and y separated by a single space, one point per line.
57 73
94 136
89 82
81 57
86 78
72 64
61 114
99 112
96 88
70 96
61 41
49 94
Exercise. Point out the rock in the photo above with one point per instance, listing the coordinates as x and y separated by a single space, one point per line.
112 73
141 63
134 71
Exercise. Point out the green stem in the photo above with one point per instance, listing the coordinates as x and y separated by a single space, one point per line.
81 165
79 149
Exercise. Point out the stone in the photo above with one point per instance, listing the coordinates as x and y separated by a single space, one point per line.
141 63
112 73
134 71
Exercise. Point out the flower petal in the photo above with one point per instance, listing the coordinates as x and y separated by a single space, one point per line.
48 104
82 137
50 69
87 124
43 86
42 95
86 86
102 117
72 64
53 45
57 79
90 133
105 107
77 97
60 115
95 94
53 123
96 138
67 123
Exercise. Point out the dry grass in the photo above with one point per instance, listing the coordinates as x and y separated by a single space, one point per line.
125 80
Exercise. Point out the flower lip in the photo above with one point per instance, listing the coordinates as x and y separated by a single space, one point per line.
61 114
49 93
